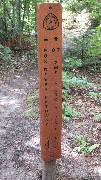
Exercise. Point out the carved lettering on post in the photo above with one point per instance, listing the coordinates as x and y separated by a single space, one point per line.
50 78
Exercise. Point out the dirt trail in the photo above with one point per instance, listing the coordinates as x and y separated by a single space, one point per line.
19 136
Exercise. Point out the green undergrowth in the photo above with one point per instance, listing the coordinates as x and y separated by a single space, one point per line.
72 63
30 113
95 95
31 102
32 98
86 51
5 52
97 117
70 80
83 146
72 83
68 112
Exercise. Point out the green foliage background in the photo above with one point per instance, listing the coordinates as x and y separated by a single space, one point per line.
18 21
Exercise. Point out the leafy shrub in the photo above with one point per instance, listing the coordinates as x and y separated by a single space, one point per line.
72 63
71 81
64 94
83 146
31 101
86 51
97 117
68 112
32 98
95 95
30 113
94 45
5 52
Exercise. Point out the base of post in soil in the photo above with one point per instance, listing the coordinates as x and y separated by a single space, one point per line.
49 170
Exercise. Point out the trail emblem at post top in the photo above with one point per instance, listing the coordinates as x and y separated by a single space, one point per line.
50 22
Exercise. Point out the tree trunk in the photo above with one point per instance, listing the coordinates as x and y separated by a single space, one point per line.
36 20
13 24
25 5
28 15
5 22
19 24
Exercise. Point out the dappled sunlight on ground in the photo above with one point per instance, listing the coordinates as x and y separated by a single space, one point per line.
7 101
34 142
98 170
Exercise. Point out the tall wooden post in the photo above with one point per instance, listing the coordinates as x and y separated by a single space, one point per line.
50 84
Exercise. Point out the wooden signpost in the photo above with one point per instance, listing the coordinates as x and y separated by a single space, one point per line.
49 25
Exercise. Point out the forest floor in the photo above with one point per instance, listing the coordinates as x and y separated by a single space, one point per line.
19 130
